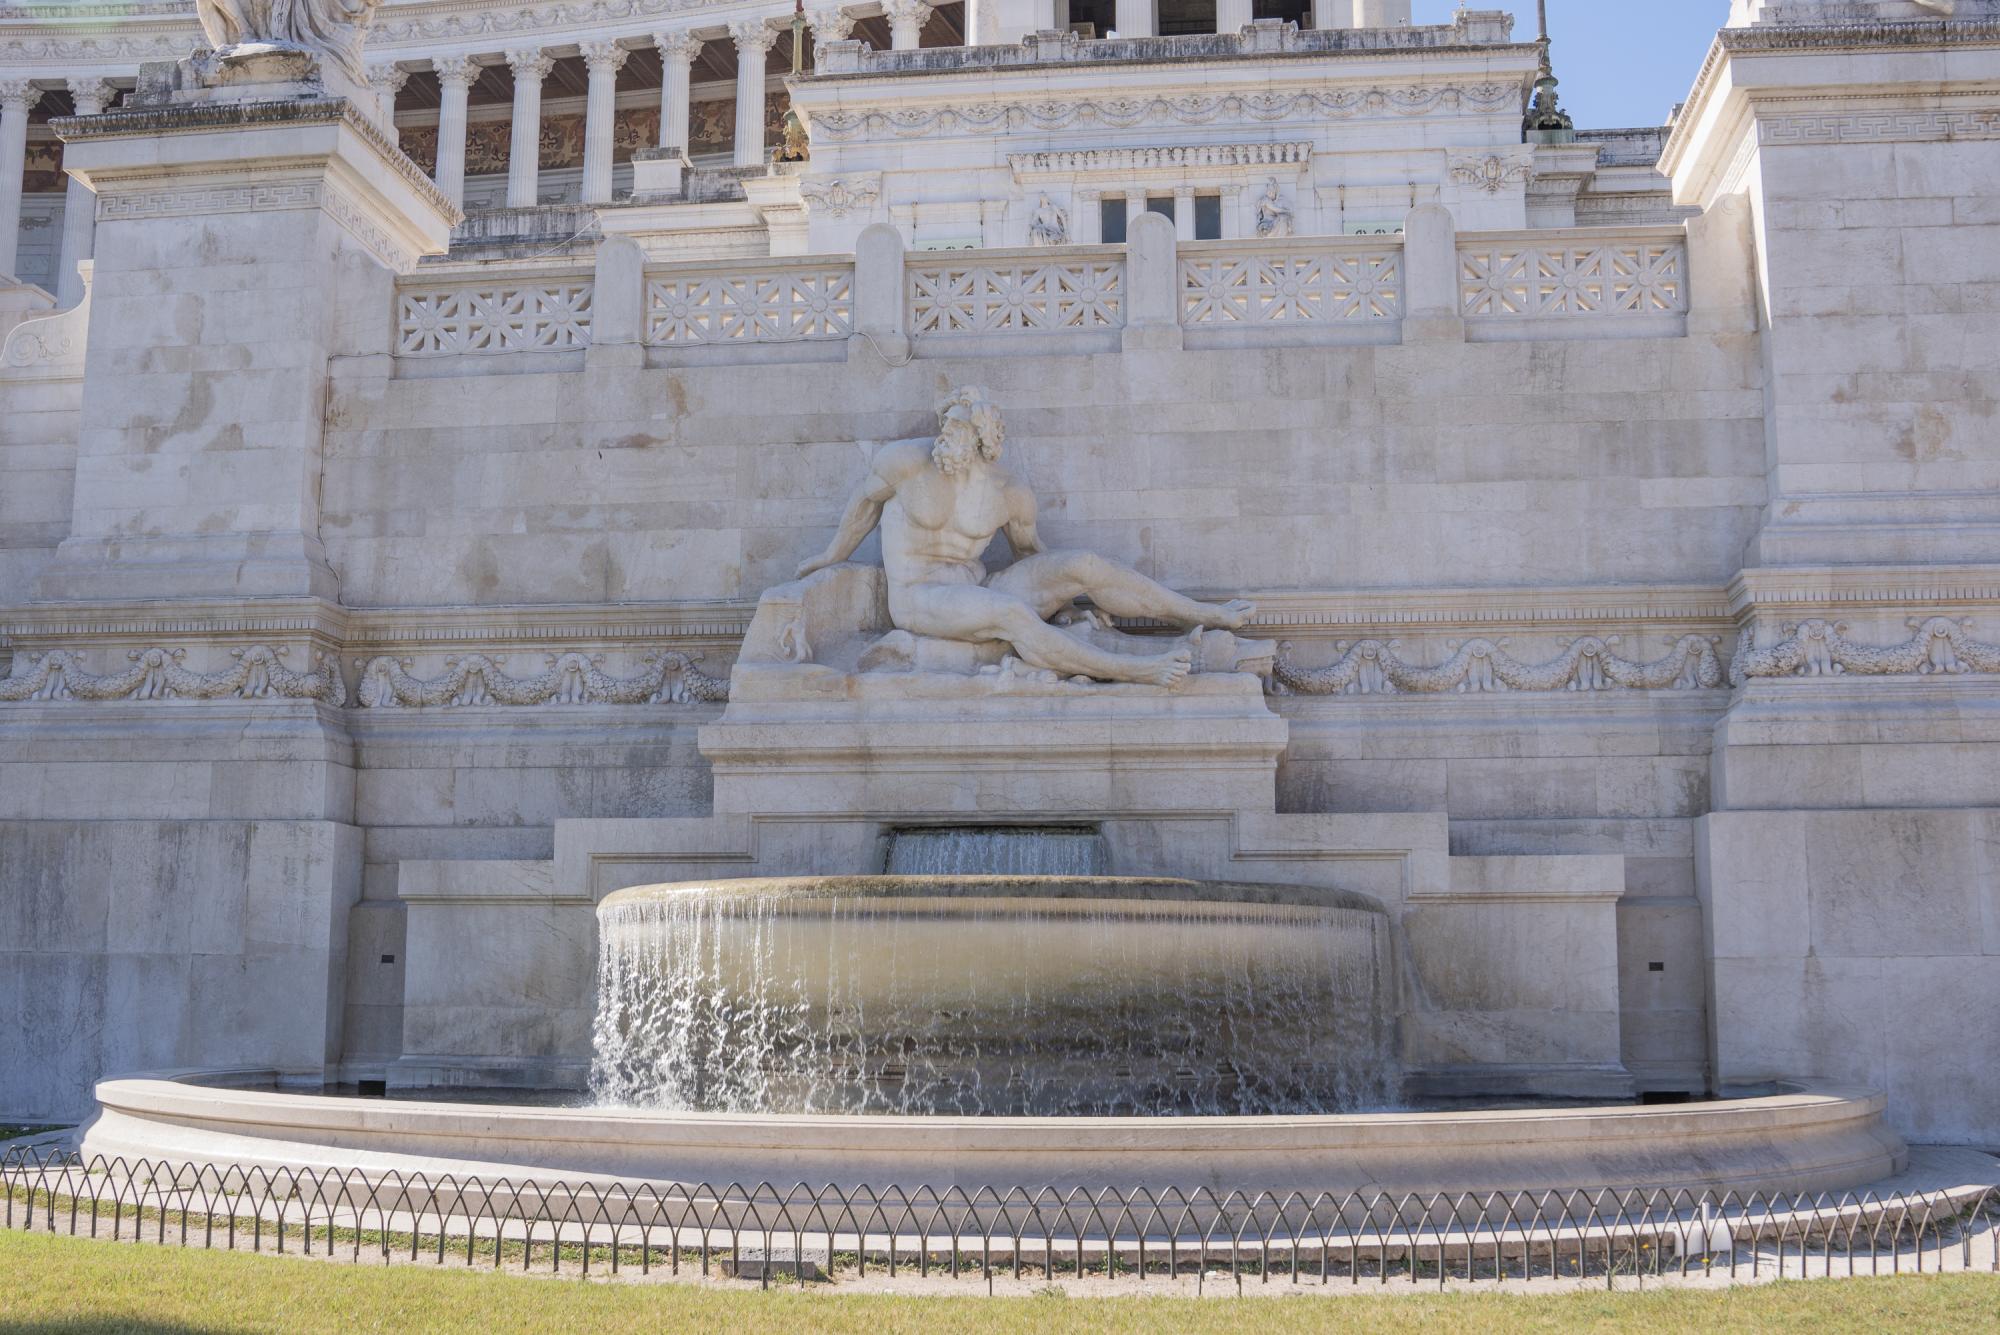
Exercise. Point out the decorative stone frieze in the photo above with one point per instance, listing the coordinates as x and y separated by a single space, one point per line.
571 678
1491 172
157 674
1819 648
1279 106
1372 667
838 196
1165 156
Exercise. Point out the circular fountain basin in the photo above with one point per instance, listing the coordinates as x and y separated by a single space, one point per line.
1801 1139
992 995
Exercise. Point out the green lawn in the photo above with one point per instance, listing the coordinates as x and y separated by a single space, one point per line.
75 1284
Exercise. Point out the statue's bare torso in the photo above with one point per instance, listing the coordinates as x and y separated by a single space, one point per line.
940 505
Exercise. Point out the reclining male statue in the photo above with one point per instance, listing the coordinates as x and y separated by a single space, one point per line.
939 505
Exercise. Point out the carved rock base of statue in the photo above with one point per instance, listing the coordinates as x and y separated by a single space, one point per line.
833 710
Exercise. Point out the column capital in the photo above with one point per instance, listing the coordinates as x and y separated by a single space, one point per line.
832 24
91 95
907 11
603 56
18 94
753 35
387 78
533 64
1183 192
680 44
462 71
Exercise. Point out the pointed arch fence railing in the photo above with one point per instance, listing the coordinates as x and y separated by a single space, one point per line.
1207 1235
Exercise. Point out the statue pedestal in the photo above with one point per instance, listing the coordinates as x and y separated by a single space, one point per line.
804 738
240 245
832 712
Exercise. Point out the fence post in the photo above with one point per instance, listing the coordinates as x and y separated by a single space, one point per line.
1432 313
1152 264
617 305
879 303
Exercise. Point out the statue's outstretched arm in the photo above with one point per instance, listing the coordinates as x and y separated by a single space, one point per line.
864 511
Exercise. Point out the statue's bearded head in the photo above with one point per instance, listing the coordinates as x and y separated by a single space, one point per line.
967 422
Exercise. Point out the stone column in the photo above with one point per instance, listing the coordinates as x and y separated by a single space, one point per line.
1233 15
1086 221
387 81
1137 18
677 53
754 41
16 97
1135 206
906 23
455 76
829 25
603 60
1184 213
524 149
1232 212
90 97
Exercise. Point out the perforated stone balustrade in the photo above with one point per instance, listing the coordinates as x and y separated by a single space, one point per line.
1589 282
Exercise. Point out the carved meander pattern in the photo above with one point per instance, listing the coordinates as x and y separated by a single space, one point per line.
995 296
770 306
1525 281
1292 287
494 317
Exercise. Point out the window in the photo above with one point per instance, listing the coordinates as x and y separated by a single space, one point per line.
1208 217
1111 220
1162 205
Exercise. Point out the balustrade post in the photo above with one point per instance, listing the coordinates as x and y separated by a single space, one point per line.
618 305
1432 309
1721 251
880 304
1152 264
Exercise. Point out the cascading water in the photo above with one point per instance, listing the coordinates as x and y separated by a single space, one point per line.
1075 996
958 850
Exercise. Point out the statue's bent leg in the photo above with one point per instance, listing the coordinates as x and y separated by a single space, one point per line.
969 612
1052 580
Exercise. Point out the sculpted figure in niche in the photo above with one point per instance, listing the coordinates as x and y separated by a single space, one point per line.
1048 225
939 504
1273 218
328 28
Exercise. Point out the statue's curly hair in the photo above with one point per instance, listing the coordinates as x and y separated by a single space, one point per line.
969 403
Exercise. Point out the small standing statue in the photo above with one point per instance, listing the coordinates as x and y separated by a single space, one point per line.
1273 218
797 145
1048 225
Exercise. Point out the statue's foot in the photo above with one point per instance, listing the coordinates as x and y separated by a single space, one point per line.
1168 670
1232 615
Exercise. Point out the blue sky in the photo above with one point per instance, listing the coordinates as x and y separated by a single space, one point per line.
1621 62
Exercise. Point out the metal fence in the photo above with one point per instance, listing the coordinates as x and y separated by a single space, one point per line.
1203 1235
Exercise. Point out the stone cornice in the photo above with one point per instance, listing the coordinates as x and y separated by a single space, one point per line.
218 117
1813 39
